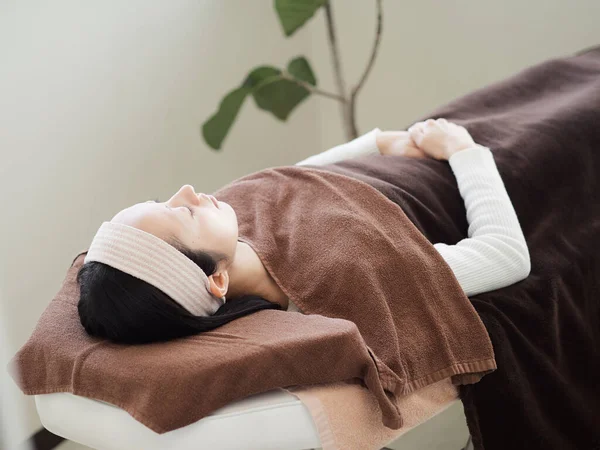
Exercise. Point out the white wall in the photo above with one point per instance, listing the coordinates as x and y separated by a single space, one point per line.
433 51
101 107
12 414
101 104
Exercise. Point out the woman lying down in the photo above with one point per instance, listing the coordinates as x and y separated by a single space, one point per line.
160 271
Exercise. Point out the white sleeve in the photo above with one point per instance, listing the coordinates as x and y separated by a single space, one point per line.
362 145
495 254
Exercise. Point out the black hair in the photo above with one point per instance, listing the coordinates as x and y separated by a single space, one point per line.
122 308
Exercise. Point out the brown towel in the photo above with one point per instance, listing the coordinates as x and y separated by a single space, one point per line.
346 414
382 306
338 247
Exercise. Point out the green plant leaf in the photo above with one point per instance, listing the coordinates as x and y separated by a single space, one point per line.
275 94
271 93
216 127
280 97
300 68
260 75
295 13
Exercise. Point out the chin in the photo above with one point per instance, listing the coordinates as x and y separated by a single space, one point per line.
233 211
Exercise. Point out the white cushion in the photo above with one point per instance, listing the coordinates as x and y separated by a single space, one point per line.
274 420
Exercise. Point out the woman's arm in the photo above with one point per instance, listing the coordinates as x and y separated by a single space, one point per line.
495 254
362 145
373 142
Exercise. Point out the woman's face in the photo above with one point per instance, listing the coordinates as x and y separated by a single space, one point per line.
193 219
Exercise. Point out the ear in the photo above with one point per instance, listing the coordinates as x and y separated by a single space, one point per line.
219 282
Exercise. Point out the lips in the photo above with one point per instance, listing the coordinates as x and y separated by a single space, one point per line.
213 200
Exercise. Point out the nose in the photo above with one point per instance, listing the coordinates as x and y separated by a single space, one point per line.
186 194
188 188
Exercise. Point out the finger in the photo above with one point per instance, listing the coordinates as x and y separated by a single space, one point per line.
417 135
416 125
443 124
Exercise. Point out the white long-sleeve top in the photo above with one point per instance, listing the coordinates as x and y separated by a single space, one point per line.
495 253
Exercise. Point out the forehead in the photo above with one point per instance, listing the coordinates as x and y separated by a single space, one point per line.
150 217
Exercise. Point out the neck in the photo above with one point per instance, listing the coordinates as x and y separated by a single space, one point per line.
248 276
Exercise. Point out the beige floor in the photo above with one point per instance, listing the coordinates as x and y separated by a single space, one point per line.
444 432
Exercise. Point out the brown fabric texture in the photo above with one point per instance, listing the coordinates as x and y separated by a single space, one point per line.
339 248
543 127
382 306
346 414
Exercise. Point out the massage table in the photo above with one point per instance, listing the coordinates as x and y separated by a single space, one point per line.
273 420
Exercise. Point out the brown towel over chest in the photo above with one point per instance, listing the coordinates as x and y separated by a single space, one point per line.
340 248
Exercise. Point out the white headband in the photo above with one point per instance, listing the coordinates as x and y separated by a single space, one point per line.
156 262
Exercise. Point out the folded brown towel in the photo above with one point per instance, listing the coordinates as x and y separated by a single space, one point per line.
381 305
346 414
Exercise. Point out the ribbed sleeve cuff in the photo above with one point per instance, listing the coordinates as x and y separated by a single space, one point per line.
362 145
475 156
368 141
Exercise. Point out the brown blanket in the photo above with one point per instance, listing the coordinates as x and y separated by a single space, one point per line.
382 306
543 126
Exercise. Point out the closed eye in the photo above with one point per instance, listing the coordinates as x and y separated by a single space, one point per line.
186 206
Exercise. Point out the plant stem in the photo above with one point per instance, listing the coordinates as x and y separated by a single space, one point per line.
337 69
312 89
357 88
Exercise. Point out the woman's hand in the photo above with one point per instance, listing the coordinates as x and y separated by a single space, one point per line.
398 143
439 138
